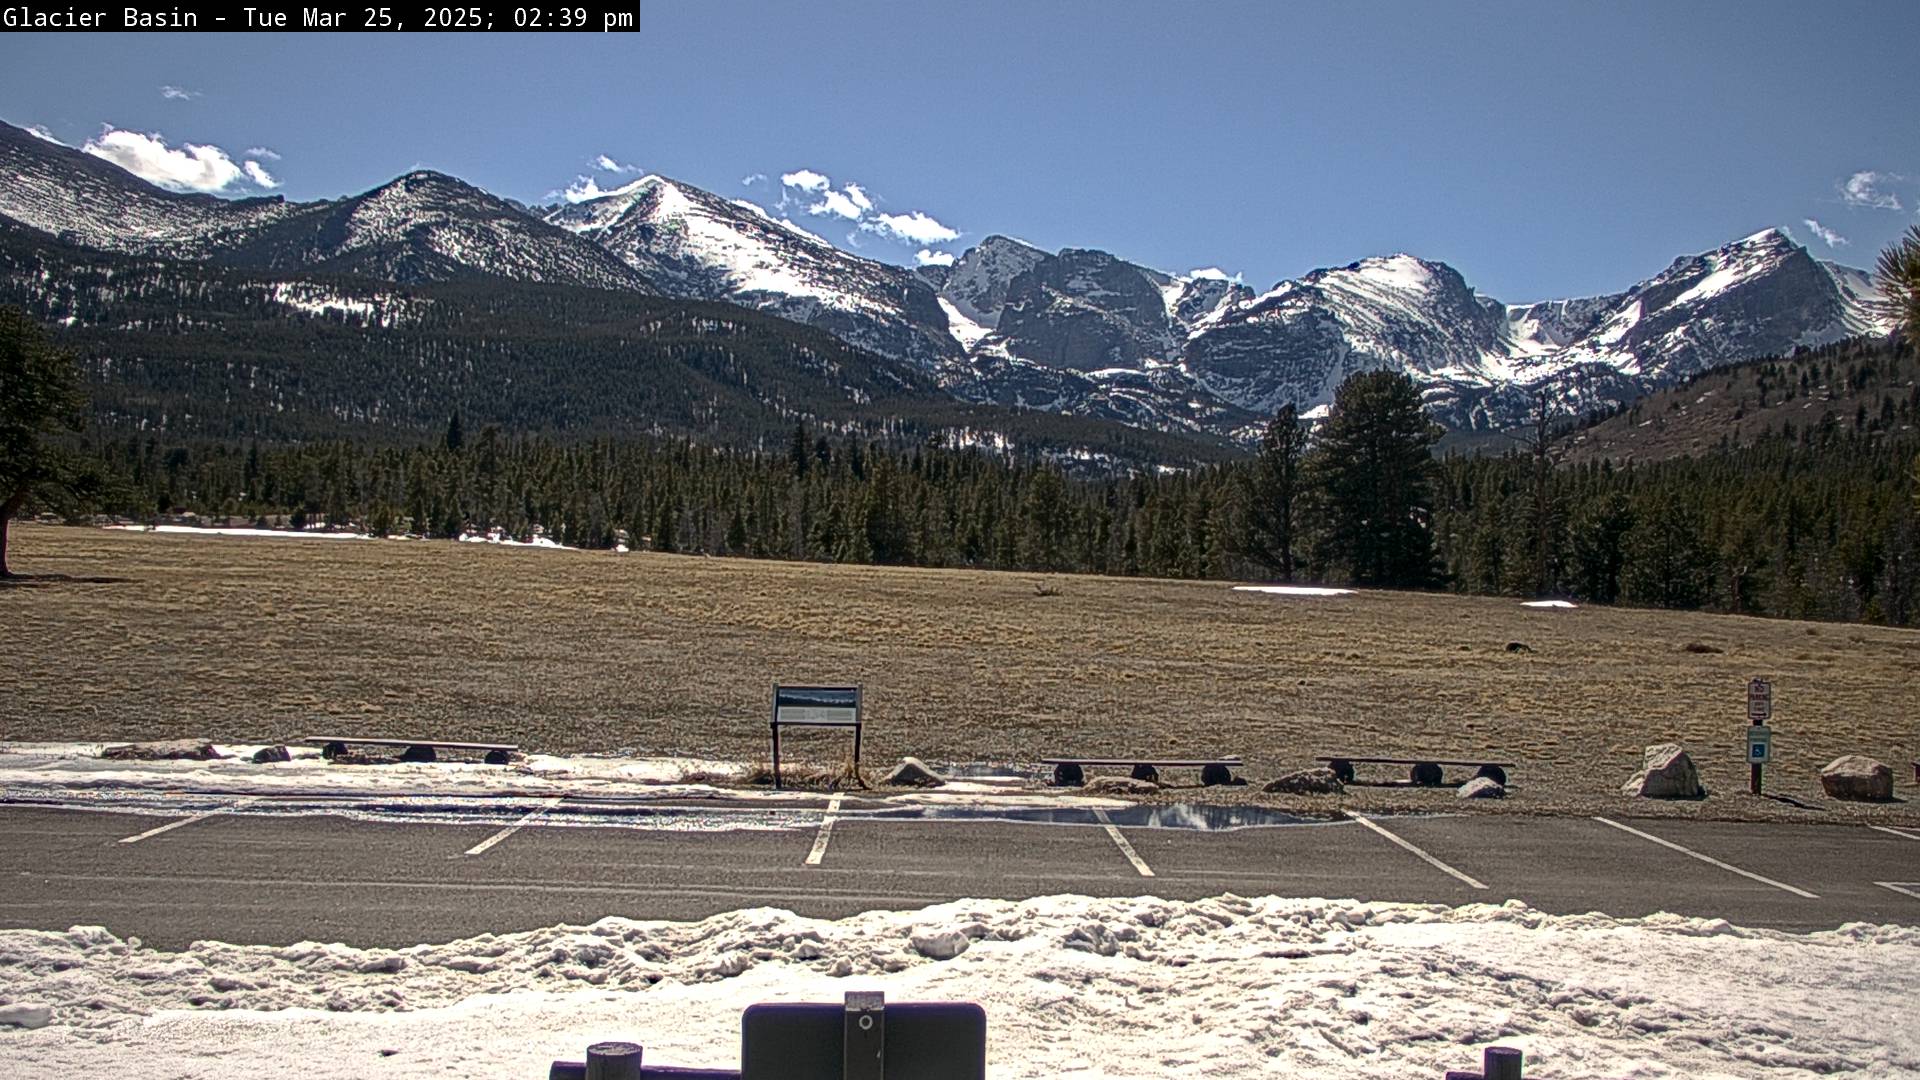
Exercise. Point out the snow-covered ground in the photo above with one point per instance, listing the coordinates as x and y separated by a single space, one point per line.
75 774
1072 987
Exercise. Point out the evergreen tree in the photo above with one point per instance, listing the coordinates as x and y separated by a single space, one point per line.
1666 559
1373 473
39 396
1273 493
1898 275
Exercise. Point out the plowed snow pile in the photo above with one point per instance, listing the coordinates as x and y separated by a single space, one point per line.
1072 986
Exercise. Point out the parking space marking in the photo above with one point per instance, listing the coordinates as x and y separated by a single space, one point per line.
1126 847
1909 888
1708 859
1430 860
826 831
172 825
1896 832
481 847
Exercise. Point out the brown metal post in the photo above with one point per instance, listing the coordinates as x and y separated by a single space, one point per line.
1756 780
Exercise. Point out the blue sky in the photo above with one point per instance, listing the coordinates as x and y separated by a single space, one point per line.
1544 149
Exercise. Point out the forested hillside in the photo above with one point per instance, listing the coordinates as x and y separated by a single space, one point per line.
1859 385
187 352
1819 523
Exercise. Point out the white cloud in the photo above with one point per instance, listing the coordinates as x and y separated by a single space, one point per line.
190 167
1832 239
587 187
911 228
854 203
259 175
756 178
805 180
1865 189
39 132
840 203
262 152
928 257
177 93
607 164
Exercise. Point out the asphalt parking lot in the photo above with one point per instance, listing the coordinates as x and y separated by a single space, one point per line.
242 873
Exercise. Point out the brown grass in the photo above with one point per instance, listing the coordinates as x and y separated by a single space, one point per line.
267 640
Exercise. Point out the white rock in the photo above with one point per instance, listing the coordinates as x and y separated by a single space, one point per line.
1321 781
912 772
1857 778
1667 773
1482 787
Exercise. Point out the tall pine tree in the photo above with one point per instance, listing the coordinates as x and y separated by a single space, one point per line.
1373 477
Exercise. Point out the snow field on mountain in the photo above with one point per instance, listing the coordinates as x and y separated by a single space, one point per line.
1072 986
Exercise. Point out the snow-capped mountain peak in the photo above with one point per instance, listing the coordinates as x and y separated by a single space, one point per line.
697 244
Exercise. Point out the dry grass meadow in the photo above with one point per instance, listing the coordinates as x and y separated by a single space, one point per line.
257 640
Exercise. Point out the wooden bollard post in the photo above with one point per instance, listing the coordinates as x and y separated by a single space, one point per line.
619 1061
1501 1063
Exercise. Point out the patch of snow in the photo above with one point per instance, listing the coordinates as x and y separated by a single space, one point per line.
1398 272
1548 604
1228 987
964 330
500 537
1294 590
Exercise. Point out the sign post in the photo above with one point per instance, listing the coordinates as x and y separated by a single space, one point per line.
1759 735
816 706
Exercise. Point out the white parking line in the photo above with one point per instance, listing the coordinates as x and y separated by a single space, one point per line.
172 825
481 847
1708 859
826 832
1436 863
1909 888
1126 848
1896 832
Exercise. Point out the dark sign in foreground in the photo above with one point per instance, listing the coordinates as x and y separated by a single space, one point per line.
863 1039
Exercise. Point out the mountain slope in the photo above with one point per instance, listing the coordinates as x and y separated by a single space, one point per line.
1078 332
422 227
695 244
187 350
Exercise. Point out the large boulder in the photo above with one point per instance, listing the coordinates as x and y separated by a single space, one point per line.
1321 781
912 772
1857 778
168 750
1120 785
269 754
1666 773
1483 787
